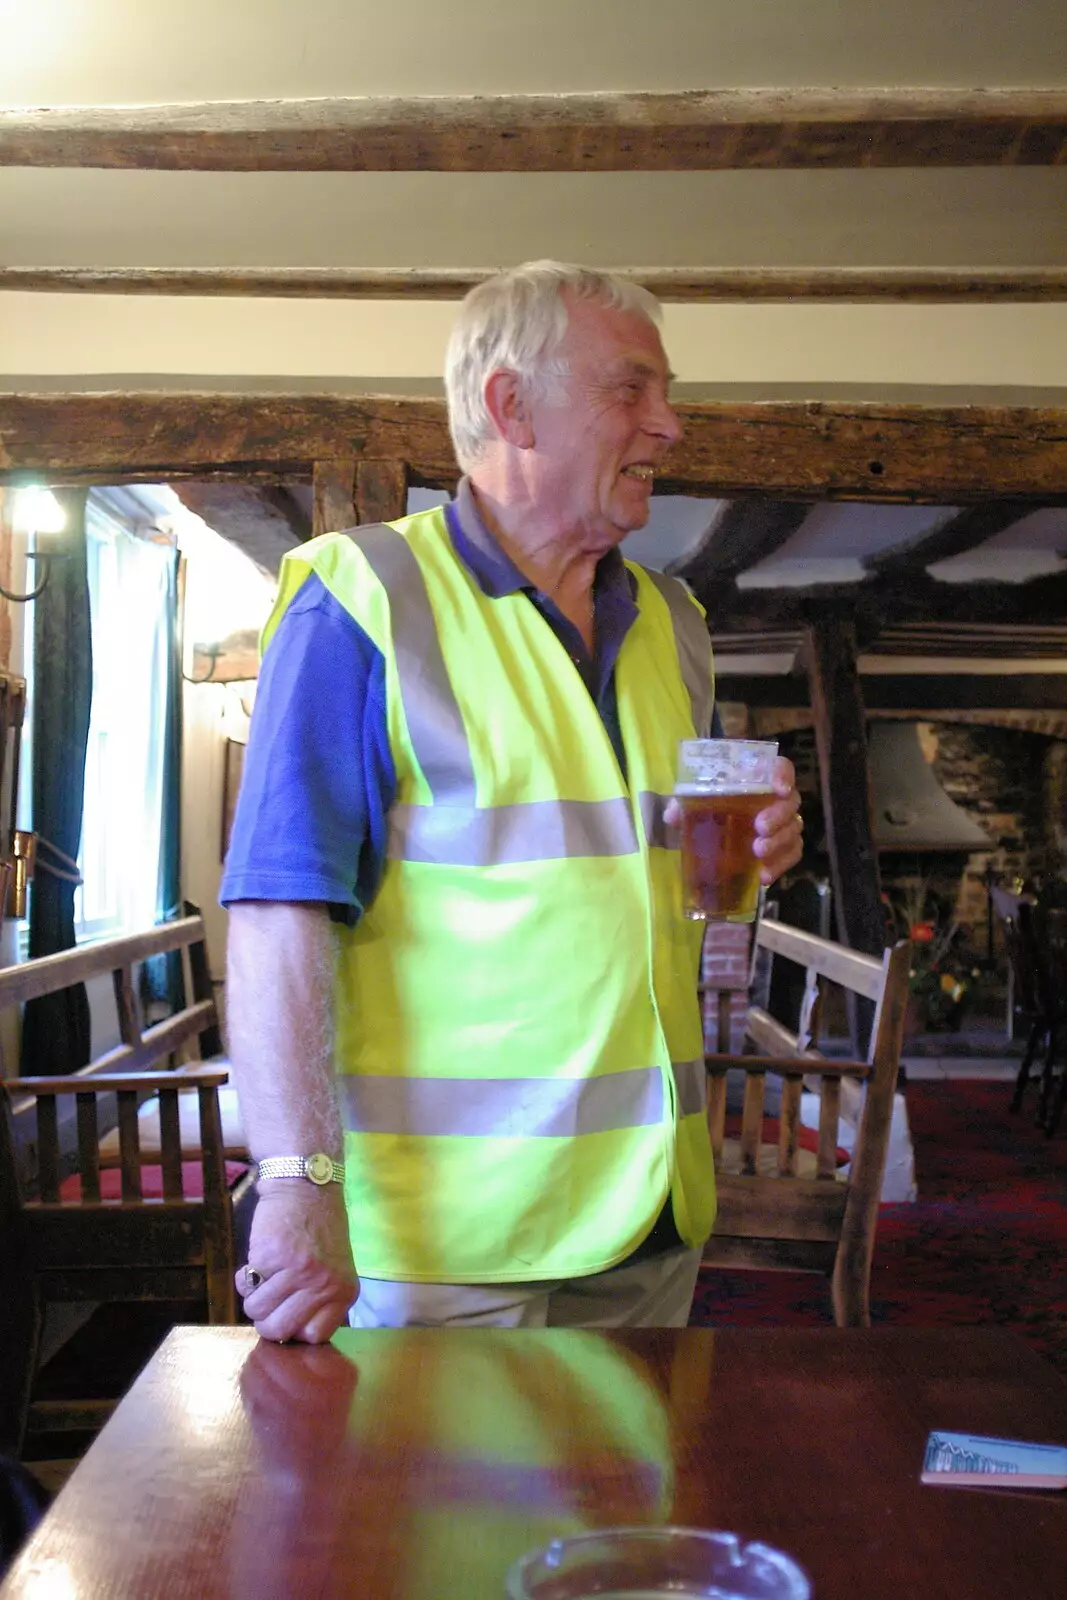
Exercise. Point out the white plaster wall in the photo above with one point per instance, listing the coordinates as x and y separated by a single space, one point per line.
940 345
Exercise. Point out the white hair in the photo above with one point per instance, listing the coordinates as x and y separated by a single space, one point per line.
517 319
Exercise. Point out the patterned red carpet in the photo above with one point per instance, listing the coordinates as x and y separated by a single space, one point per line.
985 1244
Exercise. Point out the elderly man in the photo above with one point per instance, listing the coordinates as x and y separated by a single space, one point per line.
462 1000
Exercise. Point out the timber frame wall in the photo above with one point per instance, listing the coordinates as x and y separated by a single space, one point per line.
806 450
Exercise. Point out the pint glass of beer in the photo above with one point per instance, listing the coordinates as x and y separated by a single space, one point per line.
722 786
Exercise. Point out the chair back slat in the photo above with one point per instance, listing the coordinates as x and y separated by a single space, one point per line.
769 1036
88 1146
129 1145
126 1004
752 1121
50 974
810 1011
717 1110
789 1124
162 1039
170 1143
850 968
193 1050
723 1020
829 1119
48 1147
211 1138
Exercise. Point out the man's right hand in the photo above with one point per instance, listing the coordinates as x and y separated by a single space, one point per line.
299 1245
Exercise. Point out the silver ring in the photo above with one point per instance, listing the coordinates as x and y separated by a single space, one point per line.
253 1278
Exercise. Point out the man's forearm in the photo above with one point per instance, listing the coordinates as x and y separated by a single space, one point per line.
300 1279
279 1007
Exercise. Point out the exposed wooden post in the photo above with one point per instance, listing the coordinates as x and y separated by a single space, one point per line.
334 495
845 780
381 491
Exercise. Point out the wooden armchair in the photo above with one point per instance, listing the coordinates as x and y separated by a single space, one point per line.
781 1206
159 1225
1036 941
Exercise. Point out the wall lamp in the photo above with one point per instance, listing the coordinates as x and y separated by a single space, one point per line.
37 511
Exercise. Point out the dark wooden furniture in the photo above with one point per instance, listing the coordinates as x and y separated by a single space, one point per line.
422 1462
776 1208
1036 941
75 1231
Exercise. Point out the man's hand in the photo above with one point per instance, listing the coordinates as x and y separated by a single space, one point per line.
299 1246
780 827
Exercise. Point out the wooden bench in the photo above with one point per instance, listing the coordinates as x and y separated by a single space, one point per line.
117 1216
776 1208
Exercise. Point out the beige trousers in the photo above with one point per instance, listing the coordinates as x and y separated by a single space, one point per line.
657 1293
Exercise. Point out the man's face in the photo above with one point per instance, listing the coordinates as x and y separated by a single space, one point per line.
594 453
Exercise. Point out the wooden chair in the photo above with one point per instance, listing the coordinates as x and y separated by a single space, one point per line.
82 1232
780 1206
1036 941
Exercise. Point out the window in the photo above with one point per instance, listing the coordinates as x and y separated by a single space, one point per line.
119 858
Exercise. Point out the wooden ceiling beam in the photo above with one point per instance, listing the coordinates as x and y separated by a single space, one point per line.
696 131
918 692
919 285
744 534
263 520
790 450
880 603
954 537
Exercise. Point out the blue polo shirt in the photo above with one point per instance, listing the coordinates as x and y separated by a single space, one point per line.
318 783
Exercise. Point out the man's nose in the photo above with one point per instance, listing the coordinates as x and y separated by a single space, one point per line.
663 421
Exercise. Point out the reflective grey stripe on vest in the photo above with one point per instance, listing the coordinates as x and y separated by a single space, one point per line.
690 1083
693 643
537 830
652 807
454 830
514 1108
438 736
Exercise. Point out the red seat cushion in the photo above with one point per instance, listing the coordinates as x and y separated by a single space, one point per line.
151 1181
807 1138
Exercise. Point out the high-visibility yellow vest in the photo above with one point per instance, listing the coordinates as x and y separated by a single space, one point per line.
518 1039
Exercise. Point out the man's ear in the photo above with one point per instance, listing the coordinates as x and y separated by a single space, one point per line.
506 402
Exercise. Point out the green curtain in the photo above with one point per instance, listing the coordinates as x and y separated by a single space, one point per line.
161 977
55 1028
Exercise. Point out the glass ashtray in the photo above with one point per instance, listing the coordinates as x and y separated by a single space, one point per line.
645 1563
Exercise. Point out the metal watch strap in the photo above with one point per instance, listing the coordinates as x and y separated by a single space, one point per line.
317 1168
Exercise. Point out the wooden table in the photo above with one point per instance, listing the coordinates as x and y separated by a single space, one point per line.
417 1464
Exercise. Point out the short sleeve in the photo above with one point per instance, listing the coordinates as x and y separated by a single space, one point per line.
318 782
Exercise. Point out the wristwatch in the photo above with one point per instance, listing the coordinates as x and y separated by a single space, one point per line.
318 1168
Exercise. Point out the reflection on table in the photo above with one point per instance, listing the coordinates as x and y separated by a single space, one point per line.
418 1464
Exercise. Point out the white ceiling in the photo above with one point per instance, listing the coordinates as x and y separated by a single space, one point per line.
833 541
63 52
950 217
67 52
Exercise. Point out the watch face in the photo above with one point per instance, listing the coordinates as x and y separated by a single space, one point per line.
319 1168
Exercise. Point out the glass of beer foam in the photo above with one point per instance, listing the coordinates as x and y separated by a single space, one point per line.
723 784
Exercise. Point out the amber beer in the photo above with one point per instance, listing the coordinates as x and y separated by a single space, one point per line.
720 875
723 785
